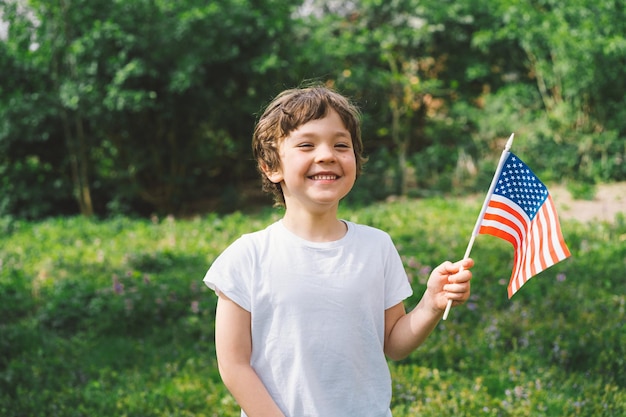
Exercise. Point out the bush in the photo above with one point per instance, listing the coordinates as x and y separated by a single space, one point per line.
111 317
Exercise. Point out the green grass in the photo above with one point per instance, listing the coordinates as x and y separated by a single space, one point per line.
102 318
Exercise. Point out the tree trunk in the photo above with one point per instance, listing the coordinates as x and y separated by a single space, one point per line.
77 151
75 140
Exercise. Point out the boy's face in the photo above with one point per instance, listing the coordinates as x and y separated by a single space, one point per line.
317 164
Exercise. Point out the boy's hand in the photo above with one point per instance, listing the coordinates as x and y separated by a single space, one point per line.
450 281
405 332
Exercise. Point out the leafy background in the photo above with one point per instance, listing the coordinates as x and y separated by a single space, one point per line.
137 115
110 317
147 106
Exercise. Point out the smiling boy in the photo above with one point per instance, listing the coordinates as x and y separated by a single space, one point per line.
311 307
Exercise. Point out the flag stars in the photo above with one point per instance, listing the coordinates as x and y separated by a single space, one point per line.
518 183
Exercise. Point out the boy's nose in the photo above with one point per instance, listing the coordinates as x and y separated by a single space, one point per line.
325 153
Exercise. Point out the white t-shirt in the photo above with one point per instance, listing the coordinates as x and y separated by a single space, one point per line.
317 312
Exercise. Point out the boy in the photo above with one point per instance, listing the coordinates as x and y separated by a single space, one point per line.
310 307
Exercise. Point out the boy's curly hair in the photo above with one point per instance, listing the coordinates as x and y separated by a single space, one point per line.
291 109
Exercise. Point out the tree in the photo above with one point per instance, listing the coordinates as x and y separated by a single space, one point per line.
574 54
149 99
31 134
386 55
148 105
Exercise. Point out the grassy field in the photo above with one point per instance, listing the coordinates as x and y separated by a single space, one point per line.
110 318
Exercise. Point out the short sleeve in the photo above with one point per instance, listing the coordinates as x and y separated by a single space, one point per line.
231 272
397 285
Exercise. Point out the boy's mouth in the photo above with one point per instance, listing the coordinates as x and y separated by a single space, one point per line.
323 177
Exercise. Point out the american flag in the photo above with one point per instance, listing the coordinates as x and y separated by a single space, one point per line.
521 211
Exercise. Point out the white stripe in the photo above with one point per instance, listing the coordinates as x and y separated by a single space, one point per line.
556 239
542 243
506 215
504 200
523 225
500 226
517 280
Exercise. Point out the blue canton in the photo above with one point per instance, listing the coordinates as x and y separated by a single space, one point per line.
520 185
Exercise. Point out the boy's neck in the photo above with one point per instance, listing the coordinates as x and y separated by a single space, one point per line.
315 227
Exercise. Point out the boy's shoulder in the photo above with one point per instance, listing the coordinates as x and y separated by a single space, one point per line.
249 245
258 235
367 231
276 232
365 227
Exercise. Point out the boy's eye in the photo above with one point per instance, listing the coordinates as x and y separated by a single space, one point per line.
342 145
305 145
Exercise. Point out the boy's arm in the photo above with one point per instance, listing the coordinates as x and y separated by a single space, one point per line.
233 344
405 332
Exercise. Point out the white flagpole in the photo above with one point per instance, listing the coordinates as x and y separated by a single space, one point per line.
503 157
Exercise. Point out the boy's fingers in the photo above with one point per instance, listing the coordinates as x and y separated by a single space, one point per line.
457 272
446 268
465 263
452 268
461 276
457 290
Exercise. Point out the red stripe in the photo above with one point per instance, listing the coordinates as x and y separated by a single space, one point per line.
503 220
557 232
537 243
540 241
551 255
493 230
508 209
521 233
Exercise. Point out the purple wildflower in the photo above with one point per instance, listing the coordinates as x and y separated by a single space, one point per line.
426 270
118 287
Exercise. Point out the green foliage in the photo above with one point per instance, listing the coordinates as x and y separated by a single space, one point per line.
131 105
555 98
582 191
111 318
134 107
508 391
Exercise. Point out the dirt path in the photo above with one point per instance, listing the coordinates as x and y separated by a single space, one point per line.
609 200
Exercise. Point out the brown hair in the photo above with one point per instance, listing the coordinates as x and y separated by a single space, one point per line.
290 110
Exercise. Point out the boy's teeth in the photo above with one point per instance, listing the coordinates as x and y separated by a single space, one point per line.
324 177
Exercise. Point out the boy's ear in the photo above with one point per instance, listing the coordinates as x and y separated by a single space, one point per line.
274 175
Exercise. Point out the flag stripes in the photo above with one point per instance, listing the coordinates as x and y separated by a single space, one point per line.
538 241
